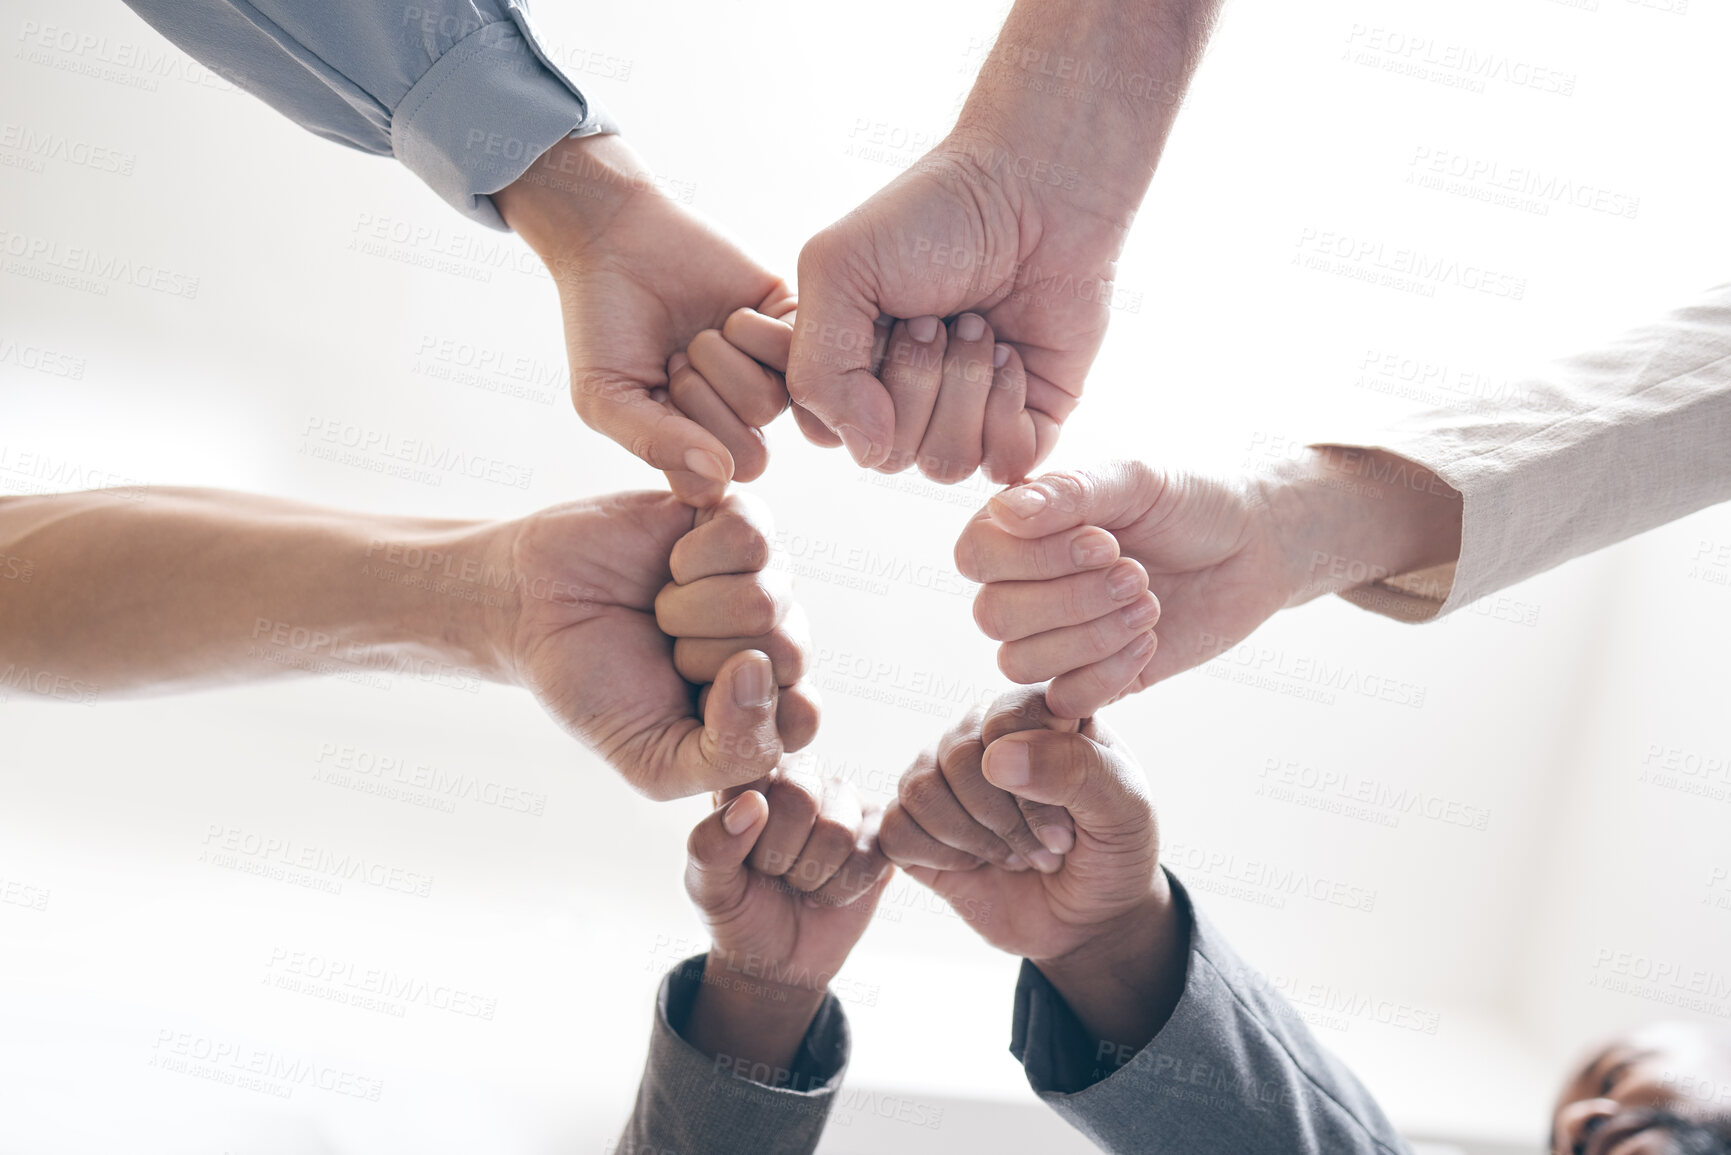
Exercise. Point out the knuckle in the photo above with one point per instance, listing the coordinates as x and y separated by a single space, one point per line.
967 555
990 614
757 611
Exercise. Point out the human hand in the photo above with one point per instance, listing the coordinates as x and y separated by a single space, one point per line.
656 634
950 237
1103 926
961 391
640 276
1077 566
786 876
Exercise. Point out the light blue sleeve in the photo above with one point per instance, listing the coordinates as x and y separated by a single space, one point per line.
460 91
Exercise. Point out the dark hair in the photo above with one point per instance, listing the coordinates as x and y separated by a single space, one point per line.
1691 1138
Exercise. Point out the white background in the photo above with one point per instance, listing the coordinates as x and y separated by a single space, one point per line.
1542 708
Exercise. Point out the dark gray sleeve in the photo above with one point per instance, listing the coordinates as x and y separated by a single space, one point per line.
690 1104
1234 1070
460 91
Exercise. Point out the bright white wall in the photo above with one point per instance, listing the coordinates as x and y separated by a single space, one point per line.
566 920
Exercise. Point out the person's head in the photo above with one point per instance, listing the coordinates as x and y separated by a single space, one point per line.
1664 1089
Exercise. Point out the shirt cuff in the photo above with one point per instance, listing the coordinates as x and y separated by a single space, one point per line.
685 1091
488 107
1057 1053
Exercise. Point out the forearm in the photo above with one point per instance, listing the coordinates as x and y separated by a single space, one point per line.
1090 87
192 587
1349 517
751 1027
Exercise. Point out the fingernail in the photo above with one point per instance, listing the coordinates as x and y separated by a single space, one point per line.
859 446
1015 862
1141 647
971 327
1024 502
1000 354
677 362
1045 861
1093 550
1057 839
735 819
923 329
752 684
1007 764
1124 581
706 465
1142 616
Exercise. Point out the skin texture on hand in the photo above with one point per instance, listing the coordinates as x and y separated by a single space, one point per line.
640 277
786 875
1104 926
1018 216
647 602
1078 566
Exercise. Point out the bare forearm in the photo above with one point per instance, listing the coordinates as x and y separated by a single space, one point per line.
1350 517
198 587
1091 86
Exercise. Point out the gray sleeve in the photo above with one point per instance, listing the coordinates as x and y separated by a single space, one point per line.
690 1104
1577 456
1233 1070
460 91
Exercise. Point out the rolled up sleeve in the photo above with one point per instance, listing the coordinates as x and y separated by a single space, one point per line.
463 92
1583 453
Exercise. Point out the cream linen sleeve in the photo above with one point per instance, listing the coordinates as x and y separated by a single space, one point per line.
1588 451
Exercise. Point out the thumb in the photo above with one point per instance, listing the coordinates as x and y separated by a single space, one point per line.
738 741
655 431
1112 496
718 847
1092 781
829 367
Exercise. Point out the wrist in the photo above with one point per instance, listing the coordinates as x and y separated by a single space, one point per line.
753 1025
1091 85
435 590
564 202
1124 982
1349 517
